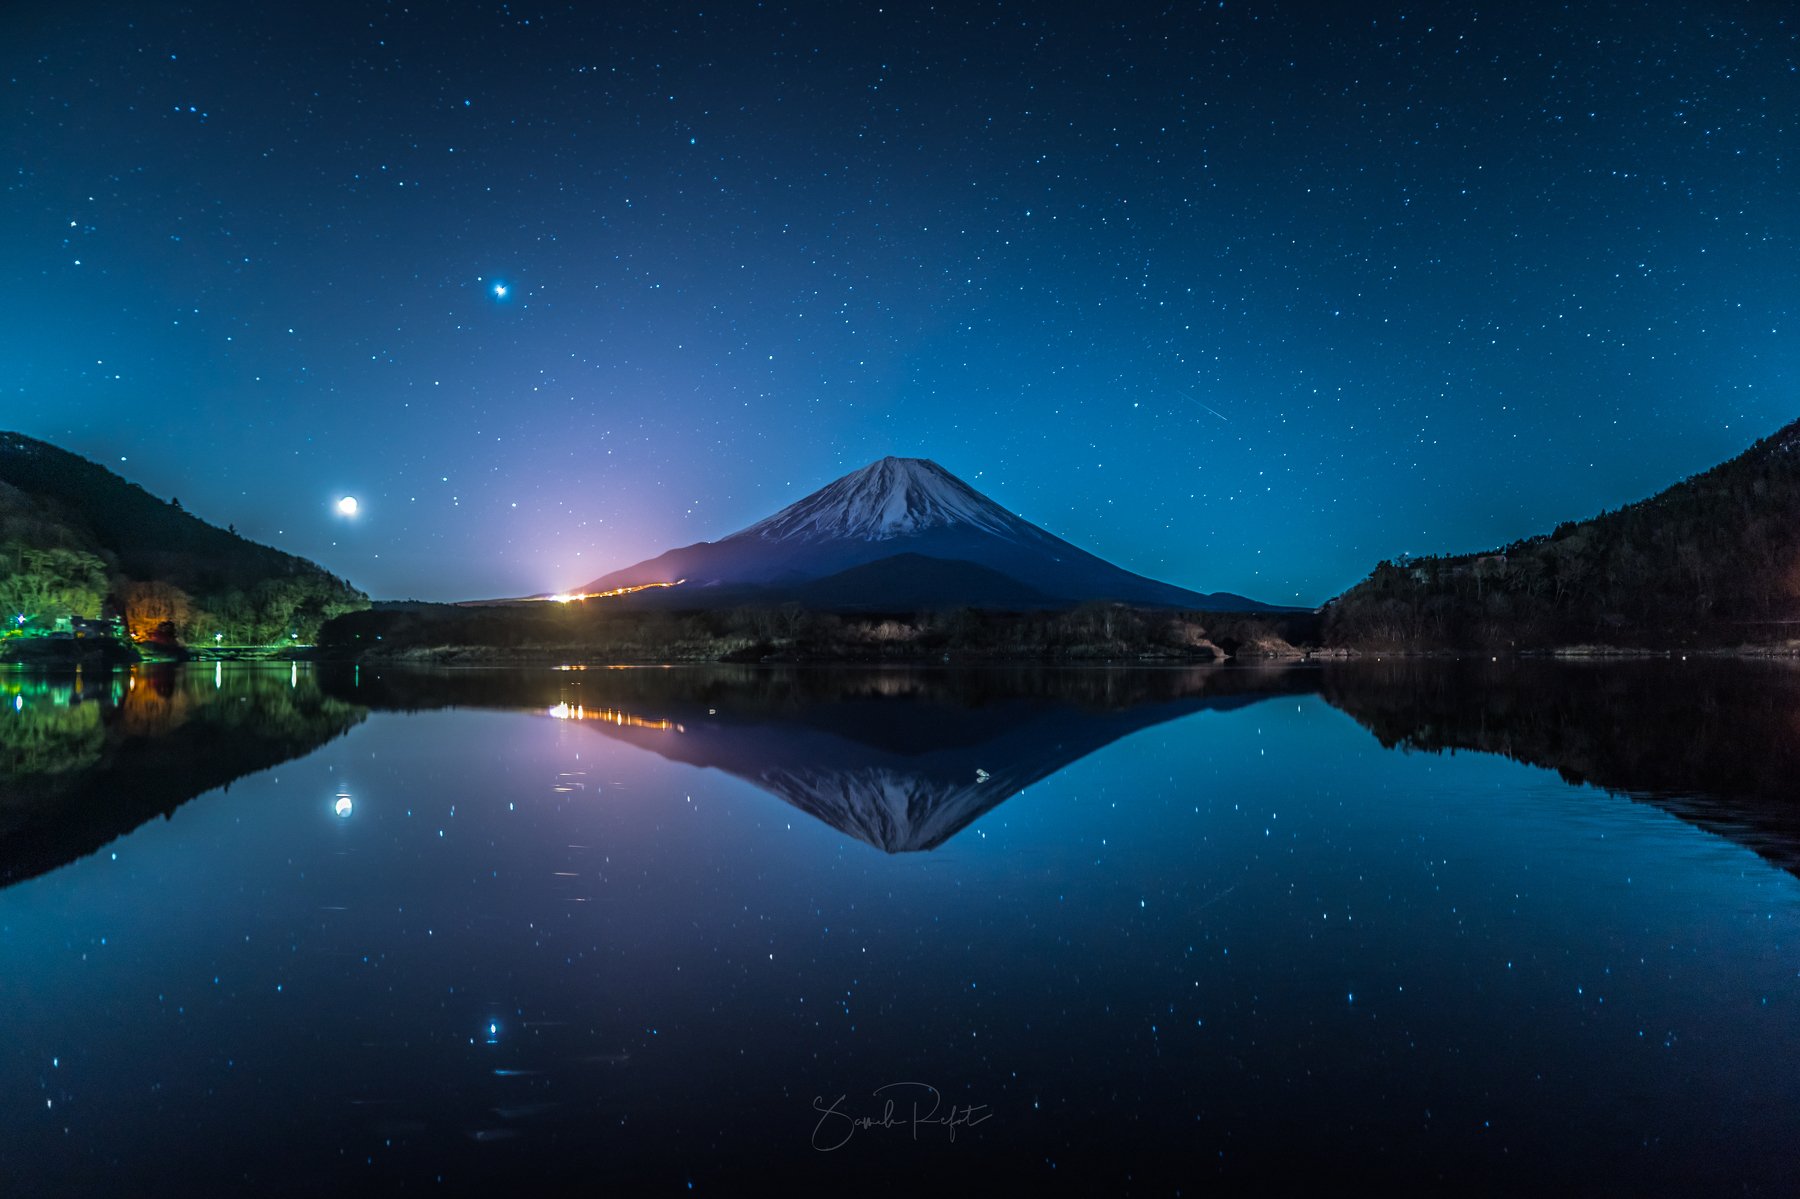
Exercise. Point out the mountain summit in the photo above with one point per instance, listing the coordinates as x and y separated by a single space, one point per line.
898 533
893 497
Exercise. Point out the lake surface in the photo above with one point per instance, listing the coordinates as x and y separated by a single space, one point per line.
1496 926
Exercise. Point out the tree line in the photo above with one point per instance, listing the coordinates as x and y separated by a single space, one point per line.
77 541
1713 560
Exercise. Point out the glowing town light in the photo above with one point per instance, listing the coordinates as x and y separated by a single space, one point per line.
348 506
569 597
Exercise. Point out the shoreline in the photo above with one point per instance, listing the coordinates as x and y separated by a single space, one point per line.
64 656
498 657
576 656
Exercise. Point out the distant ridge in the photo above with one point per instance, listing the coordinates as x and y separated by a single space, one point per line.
944 543
1713 560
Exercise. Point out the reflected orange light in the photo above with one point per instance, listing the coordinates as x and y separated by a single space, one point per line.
565 711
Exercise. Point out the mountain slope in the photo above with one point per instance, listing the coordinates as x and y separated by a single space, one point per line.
892 507
915 581
75 536
1712 560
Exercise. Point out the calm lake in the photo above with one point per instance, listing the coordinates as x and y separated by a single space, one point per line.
1505 927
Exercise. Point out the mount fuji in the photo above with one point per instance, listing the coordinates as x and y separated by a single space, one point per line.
899 533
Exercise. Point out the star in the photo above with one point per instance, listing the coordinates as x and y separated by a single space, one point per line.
499 291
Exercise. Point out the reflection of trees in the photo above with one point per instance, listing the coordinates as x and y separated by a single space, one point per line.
49 737
774 691
903 758
83 762
154 705
1715 743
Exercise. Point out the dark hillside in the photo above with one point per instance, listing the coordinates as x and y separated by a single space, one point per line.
1712 561
76 539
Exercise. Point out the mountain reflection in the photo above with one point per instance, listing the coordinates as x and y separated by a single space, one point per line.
1716 743
84 759
904 763
902 760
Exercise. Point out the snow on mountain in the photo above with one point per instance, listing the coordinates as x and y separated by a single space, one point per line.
890 508
886 499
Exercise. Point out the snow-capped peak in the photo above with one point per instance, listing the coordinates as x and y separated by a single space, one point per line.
889 498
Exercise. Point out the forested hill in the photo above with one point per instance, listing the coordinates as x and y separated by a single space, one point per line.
78 540
1712 561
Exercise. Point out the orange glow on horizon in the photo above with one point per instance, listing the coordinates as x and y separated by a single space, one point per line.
569 597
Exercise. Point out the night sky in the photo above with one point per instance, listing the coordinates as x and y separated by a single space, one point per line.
1241 296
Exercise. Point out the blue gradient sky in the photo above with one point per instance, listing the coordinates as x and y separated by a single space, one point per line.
1242 296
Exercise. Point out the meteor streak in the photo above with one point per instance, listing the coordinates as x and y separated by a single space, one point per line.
1209 408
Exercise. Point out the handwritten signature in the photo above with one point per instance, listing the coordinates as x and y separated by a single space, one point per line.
836 1126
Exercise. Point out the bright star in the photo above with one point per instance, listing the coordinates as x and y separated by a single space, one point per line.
499 291
347 506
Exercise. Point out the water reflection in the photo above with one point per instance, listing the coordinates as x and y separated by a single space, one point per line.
87 758
1715 743
903 760
567 931
900 760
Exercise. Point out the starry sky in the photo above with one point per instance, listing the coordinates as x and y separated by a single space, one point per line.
1244 296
